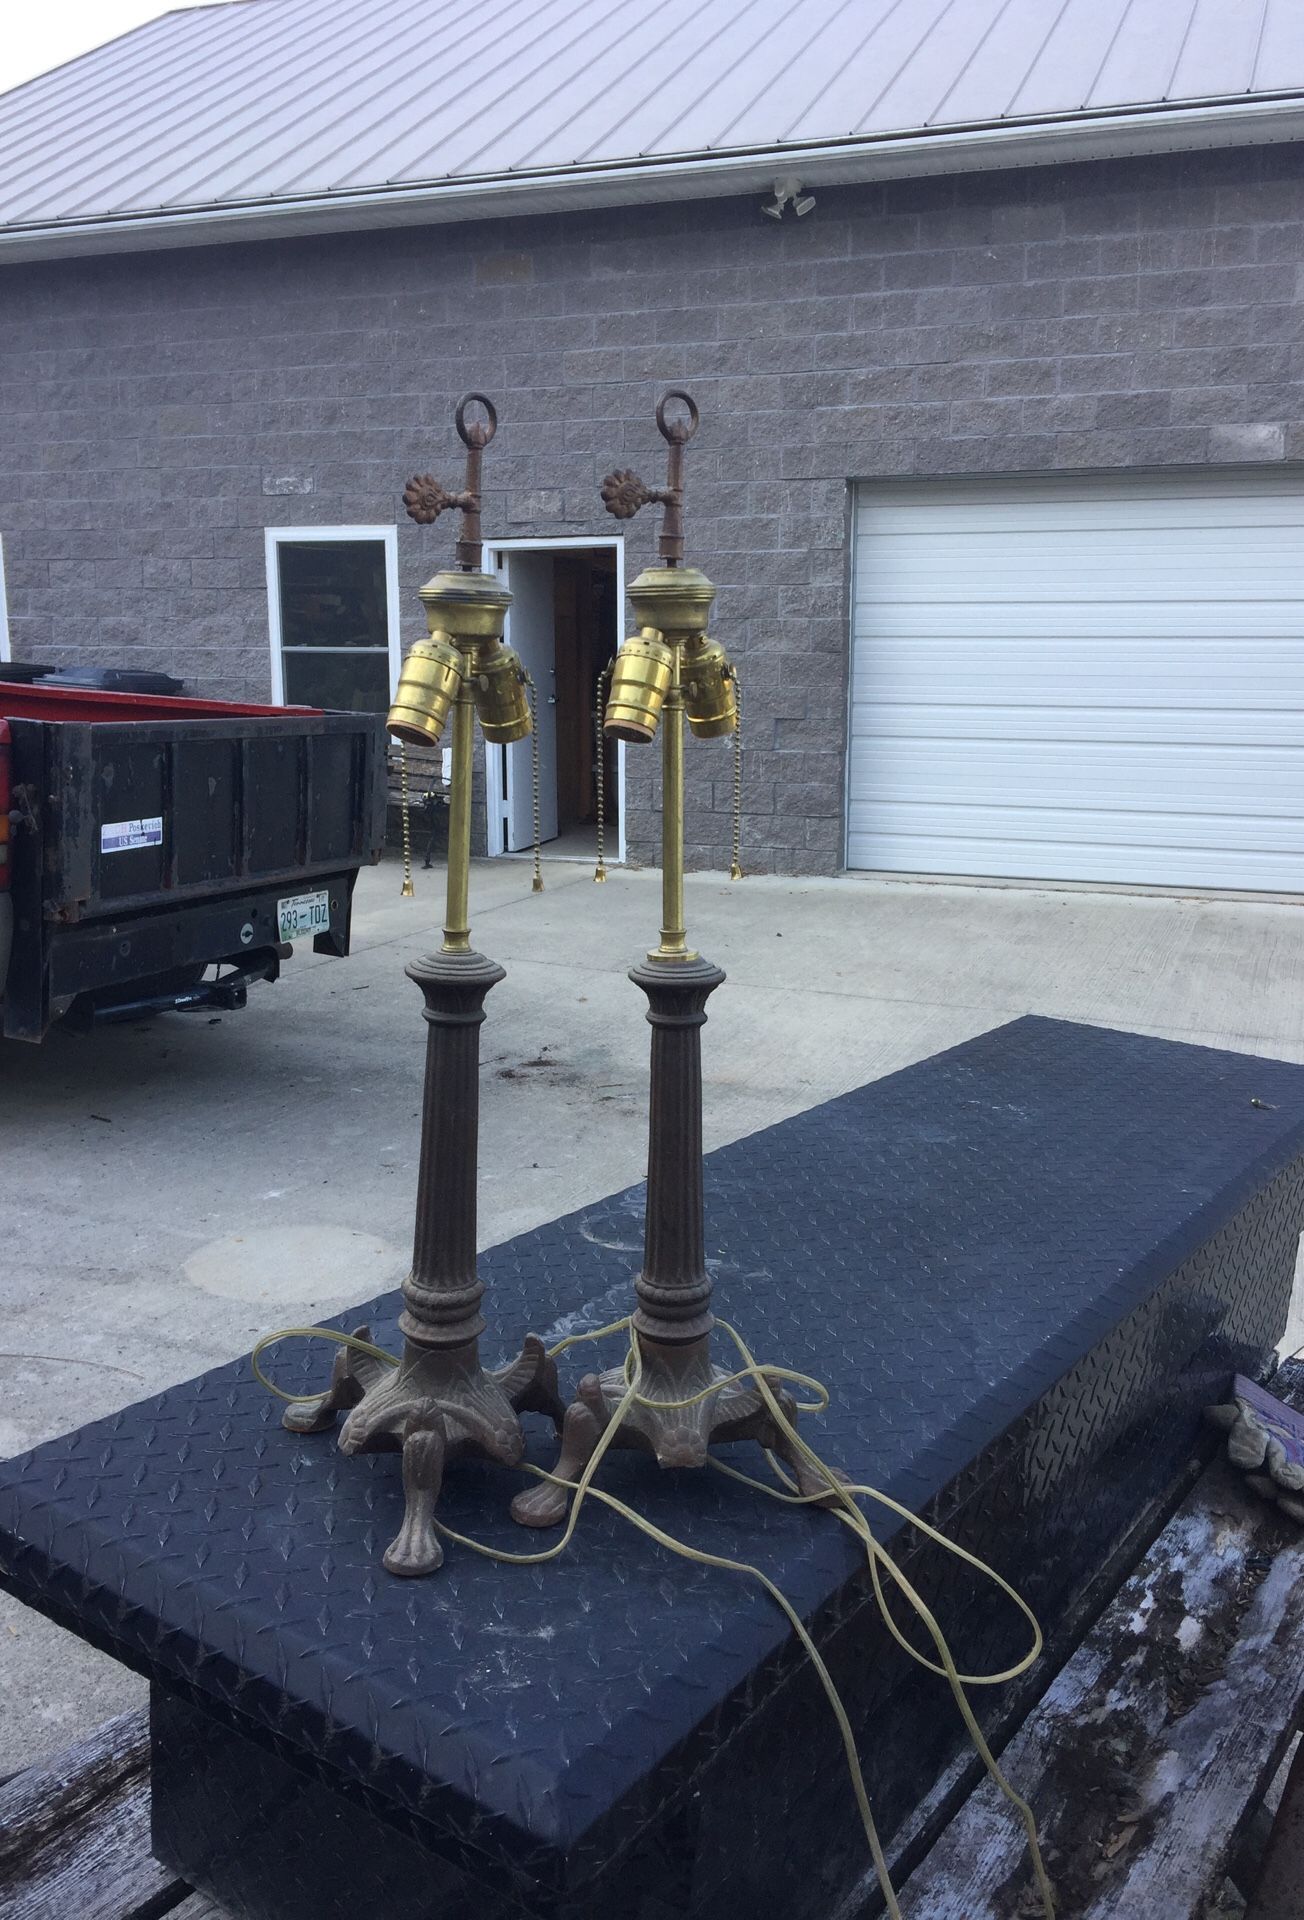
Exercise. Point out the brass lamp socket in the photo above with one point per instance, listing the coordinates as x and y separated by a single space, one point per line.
498 687
675 602
710 692
640 680
470 608
427 688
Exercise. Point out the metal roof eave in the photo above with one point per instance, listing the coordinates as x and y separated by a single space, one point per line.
1119 134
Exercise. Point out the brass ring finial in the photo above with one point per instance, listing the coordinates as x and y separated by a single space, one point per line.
677 432
478 433
623 493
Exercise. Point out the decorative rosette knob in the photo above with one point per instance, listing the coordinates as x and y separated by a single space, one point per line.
425 499
623 493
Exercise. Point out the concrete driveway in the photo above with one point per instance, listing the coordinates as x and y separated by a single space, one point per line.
178 1187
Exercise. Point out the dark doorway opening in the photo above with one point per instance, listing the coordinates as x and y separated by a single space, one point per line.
584 621
564 624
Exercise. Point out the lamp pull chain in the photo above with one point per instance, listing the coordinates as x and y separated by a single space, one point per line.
600 871
736 869
537 884
408 890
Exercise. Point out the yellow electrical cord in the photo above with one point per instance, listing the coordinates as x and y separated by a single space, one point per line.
879 1559
338 1339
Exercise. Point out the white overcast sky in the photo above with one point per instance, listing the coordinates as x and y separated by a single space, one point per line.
39 34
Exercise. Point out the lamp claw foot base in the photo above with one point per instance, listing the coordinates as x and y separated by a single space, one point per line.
436 1404
416 1549
531 1382
546 1504
351 1375
669 1421
810 1481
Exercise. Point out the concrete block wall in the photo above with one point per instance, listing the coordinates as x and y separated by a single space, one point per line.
159 410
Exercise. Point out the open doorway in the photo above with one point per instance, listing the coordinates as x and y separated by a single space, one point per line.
564 623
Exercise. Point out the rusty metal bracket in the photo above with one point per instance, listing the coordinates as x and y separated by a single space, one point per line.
623 493
22 814
425 499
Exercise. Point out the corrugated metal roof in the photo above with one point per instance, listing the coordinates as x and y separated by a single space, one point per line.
386 108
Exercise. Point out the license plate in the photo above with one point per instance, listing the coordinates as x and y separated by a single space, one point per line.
303 915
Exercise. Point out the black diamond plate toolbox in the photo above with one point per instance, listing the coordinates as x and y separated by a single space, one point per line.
1021 1267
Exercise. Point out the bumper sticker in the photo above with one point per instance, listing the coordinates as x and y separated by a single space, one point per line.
120 836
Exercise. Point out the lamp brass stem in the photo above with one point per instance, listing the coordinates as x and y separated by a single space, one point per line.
674 937
686 1403
457 926
440 1402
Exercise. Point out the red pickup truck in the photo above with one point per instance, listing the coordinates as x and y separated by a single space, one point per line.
164 853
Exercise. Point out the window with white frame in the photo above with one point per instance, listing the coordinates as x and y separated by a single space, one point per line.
6 651
332 597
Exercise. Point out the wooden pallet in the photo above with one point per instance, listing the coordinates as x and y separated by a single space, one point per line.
1152 1749
74 1836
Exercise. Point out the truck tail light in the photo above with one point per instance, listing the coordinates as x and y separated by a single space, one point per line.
5 802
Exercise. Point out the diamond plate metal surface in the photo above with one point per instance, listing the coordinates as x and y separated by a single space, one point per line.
1036 1255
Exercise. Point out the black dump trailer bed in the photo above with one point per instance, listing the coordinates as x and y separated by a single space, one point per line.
151 840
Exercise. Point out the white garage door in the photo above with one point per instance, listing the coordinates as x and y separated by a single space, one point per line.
1081 680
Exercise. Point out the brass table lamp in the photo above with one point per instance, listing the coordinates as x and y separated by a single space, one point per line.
667 670
440 1401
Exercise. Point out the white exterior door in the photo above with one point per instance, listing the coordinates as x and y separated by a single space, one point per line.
1097 680
531 632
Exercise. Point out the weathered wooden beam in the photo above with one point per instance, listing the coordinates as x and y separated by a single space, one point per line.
1279 1894
1005 1713
74 1834
1155 1740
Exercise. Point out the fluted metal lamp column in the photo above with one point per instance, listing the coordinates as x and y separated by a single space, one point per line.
665 672
440 1401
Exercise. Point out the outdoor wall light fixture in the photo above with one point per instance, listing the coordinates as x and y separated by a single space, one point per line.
788 193
439 1401
667 669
